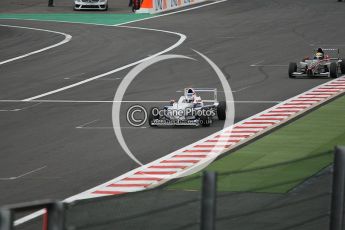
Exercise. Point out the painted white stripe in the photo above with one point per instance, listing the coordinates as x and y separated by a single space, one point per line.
175 164
221 138
287 106
121 189
245 126
300 102
177 44
277 115
279 112
315 96
250 128
143 175
159 170
214 149
67 39
135 182
236 132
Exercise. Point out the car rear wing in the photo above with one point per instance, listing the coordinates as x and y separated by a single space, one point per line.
204 90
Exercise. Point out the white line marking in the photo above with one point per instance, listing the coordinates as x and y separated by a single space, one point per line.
178 43
86 126
8 110
67 39
76 101
87 123
20 109
29 217
30 106
110 127
75 75
24 174
258 64
241 89
268 65
81 101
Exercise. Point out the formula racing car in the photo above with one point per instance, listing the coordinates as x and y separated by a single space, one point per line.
189 110
318 66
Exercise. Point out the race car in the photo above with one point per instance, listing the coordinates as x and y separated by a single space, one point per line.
189 110
318 66
91 5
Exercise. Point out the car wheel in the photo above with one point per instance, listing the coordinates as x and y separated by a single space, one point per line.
221 110
151 116
342 66
333 70
292 69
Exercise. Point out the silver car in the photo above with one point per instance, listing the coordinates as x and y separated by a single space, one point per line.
91 5
189 110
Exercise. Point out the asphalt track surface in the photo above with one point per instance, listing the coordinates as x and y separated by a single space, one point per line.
65 160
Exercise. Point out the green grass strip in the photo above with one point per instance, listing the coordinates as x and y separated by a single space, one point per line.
104 19
283 159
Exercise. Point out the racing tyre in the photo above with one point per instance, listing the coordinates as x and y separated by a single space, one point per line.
342 66
152 117
221 110
333 70
292 69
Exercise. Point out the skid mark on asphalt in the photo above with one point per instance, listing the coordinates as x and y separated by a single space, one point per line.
22 108
91 125
80 77
259 64
24 174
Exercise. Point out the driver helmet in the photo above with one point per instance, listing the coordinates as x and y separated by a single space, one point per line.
319 55
190 95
